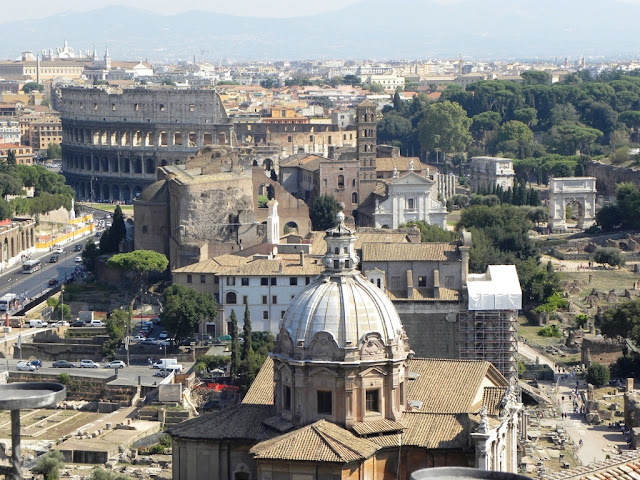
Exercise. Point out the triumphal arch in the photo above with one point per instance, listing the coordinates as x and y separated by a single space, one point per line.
577 192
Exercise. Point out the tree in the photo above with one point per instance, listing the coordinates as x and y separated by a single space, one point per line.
54 151
100 473
246 333
90 255
631 119
118 325
323 212
11 157
431 233
445 126
375 88
484 122
116 233
352 80
535 77
611 256
598 374
49 465
528 116
569 139
30 86
235 346
184 308
393 127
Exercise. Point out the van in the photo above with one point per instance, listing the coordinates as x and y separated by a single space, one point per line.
165 362
37 324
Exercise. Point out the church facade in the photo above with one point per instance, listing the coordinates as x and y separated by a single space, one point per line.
343 397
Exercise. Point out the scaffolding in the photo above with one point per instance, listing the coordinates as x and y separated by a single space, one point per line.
492 336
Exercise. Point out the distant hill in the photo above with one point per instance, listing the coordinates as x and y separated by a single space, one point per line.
375 29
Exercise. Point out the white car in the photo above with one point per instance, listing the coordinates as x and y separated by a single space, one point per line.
137 338
88 364
115 364
61 323
78 260
59 250
26 366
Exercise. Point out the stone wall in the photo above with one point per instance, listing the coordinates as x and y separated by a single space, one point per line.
608 176
431 334
602 350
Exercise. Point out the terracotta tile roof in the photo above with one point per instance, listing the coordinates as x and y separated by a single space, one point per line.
319 245
319 442
619 467
435 430
261 390
379 426
449 386
390 252
424 295
386 164
492 398
281 265
241 422
214 265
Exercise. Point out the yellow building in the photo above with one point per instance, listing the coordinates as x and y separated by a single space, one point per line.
45 131
24 153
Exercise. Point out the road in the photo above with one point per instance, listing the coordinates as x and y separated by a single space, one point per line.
13 280
598 440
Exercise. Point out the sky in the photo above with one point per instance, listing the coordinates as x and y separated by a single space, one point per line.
257 8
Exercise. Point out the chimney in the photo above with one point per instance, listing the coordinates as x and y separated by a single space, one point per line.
409 283
302 258
436 284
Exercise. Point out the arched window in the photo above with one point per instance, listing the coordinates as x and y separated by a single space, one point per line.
354 197
231 298
340 181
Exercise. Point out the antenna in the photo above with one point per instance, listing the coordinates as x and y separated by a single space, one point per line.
202 52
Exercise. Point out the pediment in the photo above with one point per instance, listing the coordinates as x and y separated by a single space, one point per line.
411 178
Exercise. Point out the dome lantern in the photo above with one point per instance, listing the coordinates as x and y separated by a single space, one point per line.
340 257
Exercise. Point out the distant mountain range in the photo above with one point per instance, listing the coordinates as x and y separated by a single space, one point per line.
373 29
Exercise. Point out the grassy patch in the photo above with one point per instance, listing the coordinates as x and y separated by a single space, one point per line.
108 207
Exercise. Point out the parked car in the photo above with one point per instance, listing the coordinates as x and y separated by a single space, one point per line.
115 364
53 259
155 320
61 323
63 364
148 341
95 323
98 234
53 282
78 323
77 248
161 373
137 338
37 363
59 250
164 343
26 366
78 259
108 215
163 335
88 364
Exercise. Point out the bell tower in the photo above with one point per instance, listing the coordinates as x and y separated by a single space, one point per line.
366 142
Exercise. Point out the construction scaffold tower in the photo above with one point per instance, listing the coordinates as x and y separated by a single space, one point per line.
488 330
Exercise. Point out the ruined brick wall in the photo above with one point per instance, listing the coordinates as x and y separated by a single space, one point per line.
602 350
608 176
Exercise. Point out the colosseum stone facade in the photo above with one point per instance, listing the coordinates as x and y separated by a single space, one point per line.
114 139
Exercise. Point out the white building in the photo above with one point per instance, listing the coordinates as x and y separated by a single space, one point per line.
9 130
487 172
408 198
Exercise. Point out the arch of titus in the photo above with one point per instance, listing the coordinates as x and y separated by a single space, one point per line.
580 190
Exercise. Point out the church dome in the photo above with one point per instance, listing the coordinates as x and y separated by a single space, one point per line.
341 314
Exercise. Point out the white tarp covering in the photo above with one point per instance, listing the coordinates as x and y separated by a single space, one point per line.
498 289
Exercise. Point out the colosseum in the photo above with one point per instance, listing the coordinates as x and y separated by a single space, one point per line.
114 139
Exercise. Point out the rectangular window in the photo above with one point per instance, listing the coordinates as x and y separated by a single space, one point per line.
136 106
273 281
324 402
216 280
307 280
373 401
336 264
422 281
274 299
189 279
192 107
203 279
293 281
265 314
287 397
231 281
282 312
245 300
161 107
145 229
264 281
264 299
410 203
245 281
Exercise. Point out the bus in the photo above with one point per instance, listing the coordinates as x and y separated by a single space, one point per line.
8 301
31 266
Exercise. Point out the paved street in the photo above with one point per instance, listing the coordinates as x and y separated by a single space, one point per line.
598 440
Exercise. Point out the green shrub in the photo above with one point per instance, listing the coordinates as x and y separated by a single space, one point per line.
49 465
64 378
550 331
598 374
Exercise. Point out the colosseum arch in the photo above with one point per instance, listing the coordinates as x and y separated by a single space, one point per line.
149 166
105 192
580 193
126 193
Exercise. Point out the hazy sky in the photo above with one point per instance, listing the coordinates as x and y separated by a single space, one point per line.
257 8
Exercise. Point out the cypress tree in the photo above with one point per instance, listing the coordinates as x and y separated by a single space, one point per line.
246 333
235 345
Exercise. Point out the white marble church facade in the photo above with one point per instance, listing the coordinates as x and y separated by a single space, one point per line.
407 198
